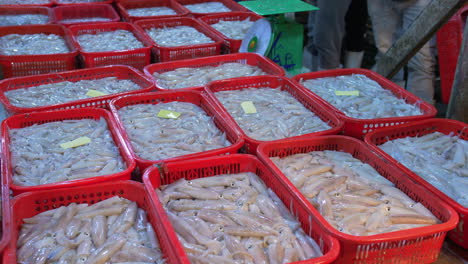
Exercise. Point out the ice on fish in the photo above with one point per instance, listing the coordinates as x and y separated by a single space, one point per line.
155 138
373 101
37 157
32 44
24 2
199 76
234 29
23 19
151 11
109 41
208 7
279 115
84 20
440 159
178 36
66 91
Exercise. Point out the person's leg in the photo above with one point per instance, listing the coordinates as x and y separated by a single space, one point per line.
354 41
310 53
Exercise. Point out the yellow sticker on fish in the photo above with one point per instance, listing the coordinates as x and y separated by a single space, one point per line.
76 143
248 107
168 114
347 93
94 93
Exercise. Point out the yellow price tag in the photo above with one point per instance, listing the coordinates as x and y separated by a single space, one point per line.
347 93
94 93
248 107
76 143
168 114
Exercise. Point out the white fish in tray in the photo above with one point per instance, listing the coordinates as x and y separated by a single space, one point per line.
440 159
32 44
78 1
208 7
178 36
278 114
37 156
351 195
372 100
234 29
24 2
23 19
155 138
199 76
151 11
84 19
109 41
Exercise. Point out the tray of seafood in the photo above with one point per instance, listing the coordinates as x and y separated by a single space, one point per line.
81 2
27 3
365 100
134 10
80 14
168 126
433 152
36 49
18 16
65 148
180 38
269 108
196 73
200 8
73 89
232 27
5 217
100 223
112 43
232 209
375 210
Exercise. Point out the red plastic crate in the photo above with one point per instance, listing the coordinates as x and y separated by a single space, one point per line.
34 10
310 102
29 119
449 41
228 3
421 128
6 218
163 54
119 71
137 58
61 13
202 168
124 5
358 128
253 59
30 204
230 45
193 97
22 65
417 245
85 2
49 4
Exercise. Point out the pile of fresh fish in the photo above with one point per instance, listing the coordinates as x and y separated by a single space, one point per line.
234 218
37 156
178 36
234 29
77 1
151 11
62 92
109 41
32 44
207 7
351 195
23 2
440 159
84 20
156 138
23 19
110 231
373 101
278 114
190 77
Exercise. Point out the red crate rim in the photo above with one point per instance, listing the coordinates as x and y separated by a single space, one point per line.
6 218
232 5
123 8
113 15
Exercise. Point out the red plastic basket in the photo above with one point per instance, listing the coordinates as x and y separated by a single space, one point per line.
228 3
421 128
34 10
21 65
310 102
193 97
202 168
358 128
230 45
61 3
61 13
6 218
119 71
253 59
29 119
49 4
137 58
124 5
30 204
417 245
449 41
182 52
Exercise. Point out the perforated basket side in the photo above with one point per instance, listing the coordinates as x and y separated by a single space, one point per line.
62 13
5 233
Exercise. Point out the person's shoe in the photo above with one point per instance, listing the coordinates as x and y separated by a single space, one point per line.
353 59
